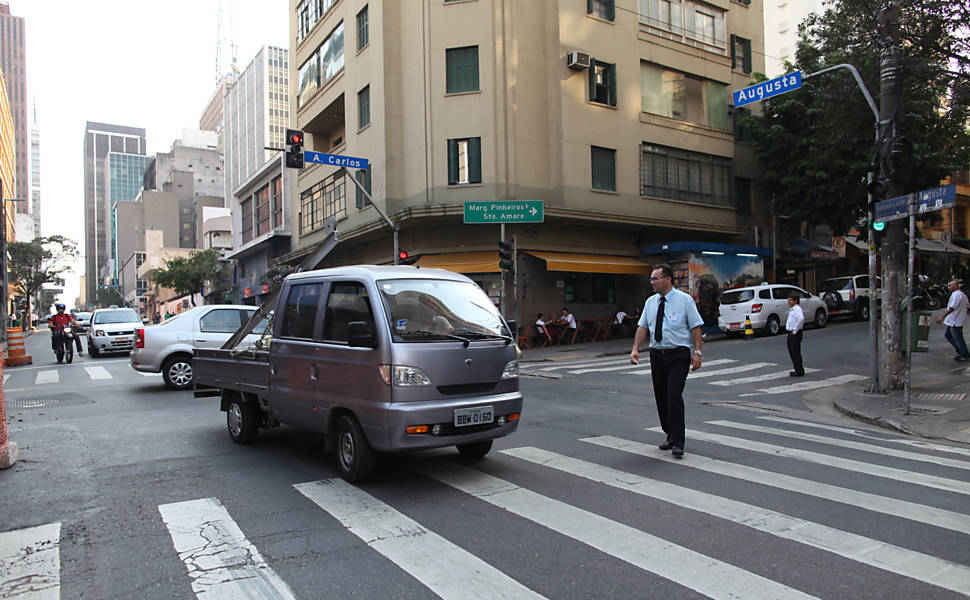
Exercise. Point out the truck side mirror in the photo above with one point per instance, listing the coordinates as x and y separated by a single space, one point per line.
361 335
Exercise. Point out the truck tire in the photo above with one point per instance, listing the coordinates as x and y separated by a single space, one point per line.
177 371
242 420
355 458
475 450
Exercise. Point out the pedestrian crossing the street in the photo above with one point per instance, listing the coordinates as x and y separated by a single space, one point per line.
567 494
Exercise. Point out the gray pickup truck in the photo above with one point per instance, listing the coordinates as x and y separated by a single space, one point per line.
379 359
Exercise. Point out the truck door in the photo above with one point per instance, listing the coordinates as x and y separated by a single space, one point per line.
294 376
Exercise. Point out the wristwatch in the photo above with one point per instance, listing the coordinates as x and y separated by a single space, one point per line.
698 353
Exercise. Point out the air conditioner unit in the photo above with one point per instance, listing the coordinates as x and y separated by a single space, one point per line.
577 60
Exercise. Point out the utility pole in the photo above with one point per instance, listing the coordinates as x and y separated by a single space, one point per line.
894 246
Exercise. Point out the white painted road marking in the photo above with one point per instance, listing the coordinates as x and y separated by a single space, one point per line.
701 573
862 549
808 385
710 363
30 563
48 376
576 364
6 376
446 569
98 373
220 560
920 513
702 373
757 378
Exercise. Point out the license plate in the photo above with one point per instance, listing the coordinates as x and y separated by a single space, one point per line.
481 415
121 339
735 326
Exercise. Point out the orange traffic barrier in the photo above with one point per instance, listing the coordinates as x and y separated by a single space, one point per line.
16 353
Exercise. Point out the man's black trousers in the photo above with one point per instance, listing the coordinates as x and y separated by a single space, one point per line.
669 371
795 351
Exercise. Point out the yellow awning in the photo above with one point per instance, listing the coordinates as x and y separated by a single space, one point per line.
592 263
467 262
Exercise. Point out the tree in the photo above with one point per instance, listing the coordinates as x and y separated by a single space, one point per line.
187 275
109 296
44 260
817 143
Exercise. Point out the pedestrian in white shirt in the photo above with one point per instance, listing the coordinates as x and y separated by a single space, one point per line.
796 321
953 318
569 320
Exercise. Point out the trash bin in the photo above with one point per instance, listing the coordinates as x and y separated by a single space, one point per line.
916 337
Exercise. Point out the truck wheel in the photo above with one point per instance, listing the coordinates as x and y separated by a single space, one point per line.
354 455
475 450
242 419
177 372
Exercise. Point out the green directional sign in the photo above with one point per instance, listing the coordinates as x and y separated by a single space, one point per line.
504 211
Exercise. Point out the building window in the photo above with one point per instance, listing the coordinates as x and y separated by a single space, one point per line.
740 53
683 97
600 8
362 33
363 177
742 127
602 82
323 66
262 210
464 161
308 12
363 107
324 200
681 175
277 187
688 21
742 192
461 69
603 167
246 210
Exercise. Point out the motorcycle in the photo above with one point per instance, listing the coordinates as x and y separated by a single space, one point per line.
936 296
64 344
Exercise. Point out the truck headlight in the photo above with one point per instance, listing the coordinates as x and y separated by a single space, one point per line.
99 333
511 370
403 376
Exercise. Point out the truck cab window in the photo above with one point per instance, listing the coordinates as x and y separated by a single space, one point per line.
347 302
300 312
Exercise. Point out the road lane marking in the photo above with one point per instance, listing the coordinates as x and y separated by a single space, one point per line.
920 513
821 439
446 569
49 376
869 435
221 562
690 569
98 373
77 363
6 376
573 365
627 366
757 378
808 385
901 475
862 549
728 371
710 363
30 563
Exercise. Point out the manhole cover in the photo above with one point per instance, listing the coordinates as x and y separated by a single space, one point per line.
941 396
31 403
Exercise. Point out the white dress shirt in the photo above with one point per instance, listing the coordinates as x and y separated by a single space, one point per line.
796 319
958 302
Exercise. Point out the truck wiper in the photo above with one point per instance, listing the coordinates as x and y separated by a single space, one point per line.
464 341
484 334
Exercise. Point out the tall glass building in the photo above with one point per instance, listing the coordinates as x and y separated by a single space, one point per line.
123 182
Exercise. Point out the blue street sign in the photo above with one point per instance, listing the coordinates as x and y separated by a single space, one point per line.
336 160
938 198
767 89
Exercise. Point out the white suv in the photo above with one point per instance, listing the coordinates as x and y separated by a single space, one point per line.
767 305
848 295
112 330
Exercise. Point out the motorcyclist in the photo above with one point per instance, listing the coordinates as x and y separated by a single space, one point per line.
58 322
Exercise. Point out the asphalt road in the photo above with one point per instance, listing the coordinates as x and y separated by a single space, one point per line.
127 490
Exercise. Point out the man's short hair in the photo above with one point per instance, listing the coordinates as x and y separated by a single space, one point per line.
794 296
666 270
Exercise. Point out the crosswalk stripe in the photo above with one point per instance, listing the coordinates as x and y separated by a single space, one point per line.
446 569
862 549
808 385
627 366
701 374
920 513
940 483
98 373
710 363
48 376
811 437
6 376
757 378
690 569
220 561
573 365
30 563
862 433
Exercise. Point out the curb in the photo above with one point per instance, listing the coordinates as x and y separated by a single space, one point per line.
878 421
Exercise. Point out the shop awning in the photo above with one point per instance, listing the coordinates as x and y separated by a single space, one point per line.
467 262
934 246
592 263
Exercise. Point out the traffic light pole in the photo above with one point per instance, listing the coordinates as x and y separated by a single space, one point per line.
505 313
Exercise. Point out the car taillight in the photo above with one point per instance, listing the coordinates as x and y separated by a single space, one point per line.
851 294
756 308
140 337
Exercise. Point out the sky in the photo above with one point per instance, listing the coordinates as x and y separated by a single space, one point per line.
140 63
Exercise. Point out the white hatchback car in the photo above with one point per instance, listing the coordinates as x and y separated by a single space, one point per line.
767 305
169 346
112 330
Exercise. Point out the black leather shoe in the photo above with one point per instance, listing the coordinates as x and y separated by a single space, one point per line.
666 445
678 452
795 374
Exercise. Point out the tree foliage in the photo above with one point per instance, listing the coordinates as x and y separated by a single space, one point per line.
817 143
42 261
187 275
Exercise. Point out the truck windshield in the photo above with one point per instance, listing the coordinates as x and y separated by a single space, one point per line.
435 309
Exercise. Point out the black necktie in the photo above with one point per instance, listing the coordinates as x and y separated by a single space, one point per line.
658 333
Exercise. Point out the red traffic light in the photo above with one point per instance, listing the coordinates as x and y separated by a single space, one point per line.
403 254
296 138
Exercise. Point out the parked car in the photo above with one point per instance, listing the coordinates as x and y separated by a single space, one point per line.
767 305
169 346
83 321
848 295
112 330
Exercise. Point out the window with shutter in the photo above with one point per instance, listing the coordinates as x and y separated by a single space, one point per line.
461 69
363 177
603 167
602 82
464 161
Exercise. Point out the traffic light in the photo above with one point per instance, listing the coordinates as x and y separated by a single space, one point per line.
403 258
506 253
878 189
294 149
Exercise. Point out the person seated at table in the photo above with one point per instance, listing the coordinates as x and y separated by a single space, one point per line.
569 321
617 325
540 330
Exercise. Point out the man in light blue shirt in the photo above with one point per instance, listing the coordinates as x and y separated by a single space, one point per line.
673 323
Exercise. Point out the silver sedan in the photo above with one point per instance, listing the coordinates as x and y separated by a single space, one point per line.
169 346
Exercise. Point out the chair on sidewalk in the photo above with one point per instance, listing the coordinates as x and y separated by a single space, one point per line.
524 338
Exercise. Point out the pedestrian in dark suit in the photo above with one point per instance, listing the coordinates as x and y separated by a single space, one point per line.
794 326
673 323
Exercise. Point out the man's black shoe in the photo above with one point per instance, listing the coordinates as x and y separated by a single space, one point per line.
666 445
795 374
678 452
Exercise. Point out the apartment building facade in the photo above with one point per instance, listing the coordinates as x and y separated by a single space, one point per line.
619 121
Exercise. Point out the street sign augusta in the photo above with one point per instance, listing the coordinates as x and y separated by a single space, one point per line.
336 160
504 211
767 89
929 200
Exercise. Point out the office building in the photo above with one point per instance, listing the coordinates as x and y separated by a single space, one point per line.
35 175
13 63
123 180
782 19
